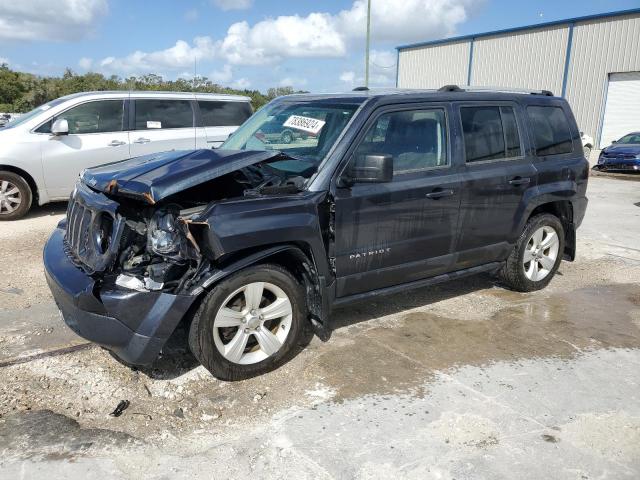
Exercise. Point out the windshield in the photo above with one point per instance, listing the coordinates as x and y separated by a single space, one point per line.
36 111
631 139
303 131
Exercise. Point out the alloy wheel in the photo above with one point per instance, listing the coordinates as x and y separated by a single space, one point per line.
253 323
10 197
541 253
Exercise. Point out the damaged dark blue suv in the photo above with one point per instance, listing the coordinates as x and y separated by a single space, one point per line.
253 244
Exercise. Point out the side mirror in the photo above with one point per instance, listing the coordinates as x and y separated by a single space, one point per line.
371 169
60 127
615 141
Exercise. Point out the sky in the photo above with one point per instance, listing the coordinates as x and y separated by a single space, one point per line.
254 44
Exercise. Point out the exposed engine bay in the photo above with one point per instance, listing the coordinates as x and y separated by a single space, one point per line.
142 245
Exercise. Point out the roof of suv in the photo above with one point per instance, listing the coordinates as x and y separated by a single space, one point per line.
449 92
157 94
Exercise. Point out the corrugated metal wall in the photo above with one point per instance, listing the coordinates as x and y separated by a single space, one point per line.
433 67
600 47
532 59
535 58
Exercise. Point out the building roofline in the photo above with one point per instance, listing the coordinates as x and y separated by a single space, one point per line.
566 21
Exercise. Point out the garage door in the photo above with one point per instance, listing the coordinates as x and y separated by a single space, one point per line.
622 110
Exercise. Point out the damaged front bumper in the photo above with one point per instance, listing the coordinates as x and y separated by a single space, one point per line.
133 324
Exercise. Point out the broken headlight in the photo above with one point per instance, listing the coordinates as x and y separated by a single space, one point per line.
163 237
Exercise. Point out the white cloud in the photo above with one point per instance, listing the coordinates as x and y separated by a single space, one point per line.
241 84
4 60
315 35
85 63
348 77
327 35
296 82
49 20
181 55
405 20
222 76
292 36
233 4
191 15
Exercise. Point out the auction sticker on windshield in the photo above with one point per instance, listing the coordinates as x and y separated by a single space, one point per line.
306 124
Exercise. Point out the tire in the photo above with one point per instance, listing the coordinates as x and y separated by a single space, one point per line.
523 276
15 196
286 137
587 151
214 332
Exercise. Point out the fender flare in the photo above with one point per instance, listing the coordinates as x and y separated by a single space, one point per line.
317 300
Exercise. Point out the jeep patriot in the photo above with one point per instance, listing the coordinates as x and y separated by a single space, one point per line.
251 245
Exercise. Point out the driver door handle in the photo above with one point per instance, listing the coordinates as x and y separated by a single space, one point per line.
519 181
439 193
142 140
116 143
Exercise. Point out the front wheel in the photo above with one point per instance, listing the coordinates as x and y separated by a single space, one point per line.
15 196
587 152
536 256
251 323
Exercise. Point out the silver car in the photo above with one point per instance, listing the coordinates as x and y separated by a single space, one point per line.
43 151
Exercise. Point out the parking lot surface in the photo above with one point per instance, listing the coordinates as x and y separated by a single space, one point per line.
461 380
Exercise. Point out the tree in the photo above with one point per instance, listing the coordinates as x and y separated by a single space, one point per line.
20 92
11 88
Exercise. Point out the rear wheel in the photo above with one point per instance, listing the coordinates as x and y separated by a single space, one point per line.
15 196
536 256
587 151
250 323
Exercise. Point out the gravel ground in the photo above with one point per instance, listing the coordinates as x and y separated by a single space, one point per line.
461 380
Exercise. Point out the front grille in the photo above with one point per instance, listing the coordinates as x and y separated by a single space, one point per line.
79 220
85 214
617 156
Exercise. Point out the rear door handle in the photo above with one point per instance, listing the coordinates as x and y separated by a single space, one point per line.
142 140
439 193
116 143
519 181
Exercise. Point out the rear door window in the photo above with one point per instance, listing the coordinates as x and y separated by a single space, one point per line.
223 114
550 130
162 114
490 133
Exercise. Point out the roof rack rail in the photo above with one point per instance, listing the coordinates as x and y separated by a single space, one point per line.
468 88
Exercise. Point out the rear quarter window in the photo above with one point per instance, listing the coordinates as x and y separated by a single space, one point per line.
551 133
223 114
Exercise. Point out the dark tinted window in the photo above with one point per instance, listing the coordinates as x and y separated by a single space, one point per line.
511 135
490 133
153 114
223 114
92 117
415 138
550 130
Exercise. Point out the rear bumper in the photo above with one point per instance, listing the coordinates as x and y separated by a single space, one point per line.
134 325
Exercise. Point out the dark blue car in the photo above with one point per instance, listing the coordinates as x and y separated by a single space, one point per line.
621 155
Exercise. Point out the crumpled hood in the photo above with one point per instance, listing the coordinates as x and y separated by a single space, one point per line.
622 150
154 177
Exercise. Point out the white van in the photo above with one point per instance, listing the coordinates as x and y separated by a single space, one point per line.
43 151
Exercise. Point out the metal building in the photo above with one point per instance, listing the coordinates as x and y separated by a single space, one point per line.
593 61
